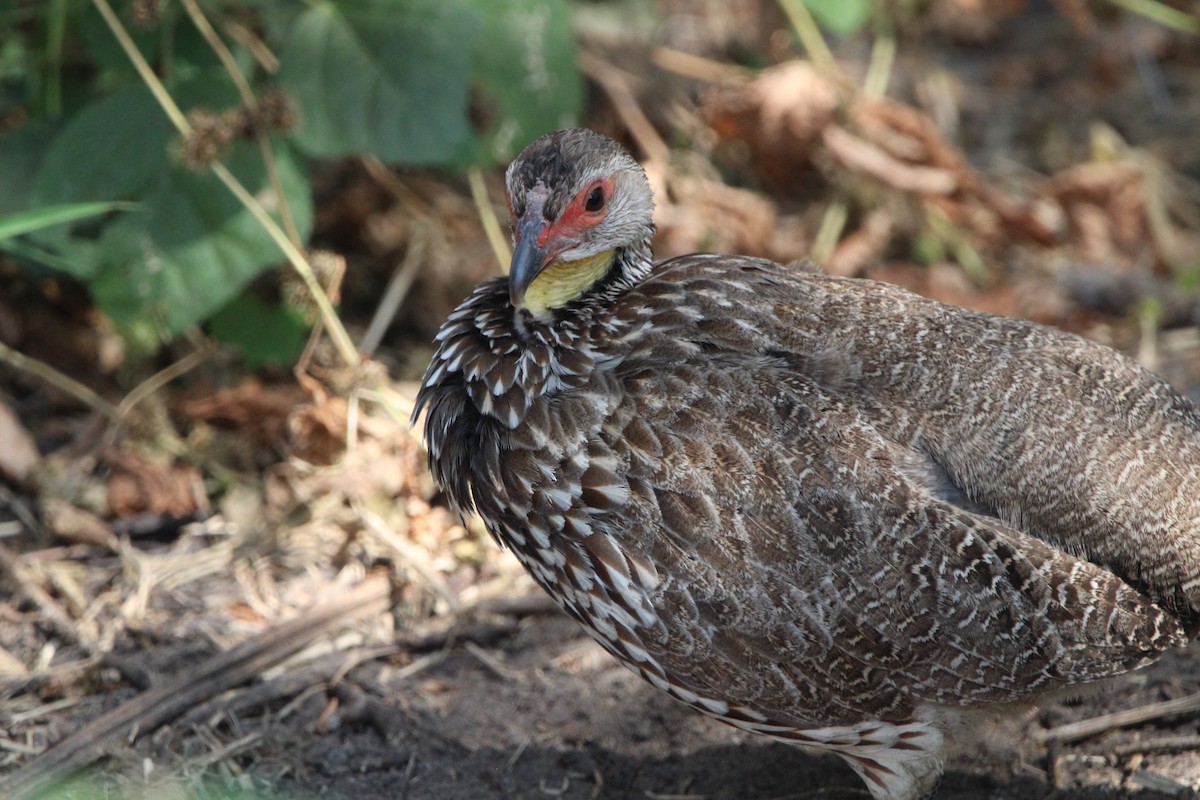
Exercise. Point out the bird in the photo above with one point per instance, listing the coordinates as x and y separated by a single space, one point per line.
817 508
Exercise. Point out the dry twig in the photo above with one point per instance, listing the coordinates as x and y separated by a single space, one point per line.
57 379
49 608
1086 728
153 708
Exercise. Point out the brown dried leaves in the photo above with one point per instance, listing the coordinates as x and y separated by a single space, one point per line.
1116 209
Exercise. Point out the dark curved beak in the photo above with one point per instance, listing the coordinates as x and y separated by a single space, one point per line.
529 256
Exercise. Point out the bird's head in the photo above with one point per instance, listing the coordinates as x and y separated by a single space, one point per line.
579 206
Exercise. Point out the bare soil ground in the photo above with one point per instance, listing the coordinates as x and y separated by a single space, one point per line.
543 712
560 719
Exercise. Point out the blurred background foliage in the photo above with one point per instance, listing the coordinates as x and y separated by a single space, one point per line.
451 84
122 175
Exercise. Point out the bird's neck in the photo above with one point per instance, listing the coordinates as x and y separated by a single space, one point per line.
608 276
561 283
630 266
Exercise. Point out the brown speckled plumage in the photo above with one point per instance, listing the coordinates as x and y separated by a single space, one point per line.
823 509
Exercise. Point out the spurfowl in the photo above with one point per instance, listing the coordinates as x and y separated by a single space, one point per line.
821 509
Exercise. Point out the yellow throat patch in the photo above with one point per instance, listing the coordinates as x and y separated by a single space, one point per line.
561 283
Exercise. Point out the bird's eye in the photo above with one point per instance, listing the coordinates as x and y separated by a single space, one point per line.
594 201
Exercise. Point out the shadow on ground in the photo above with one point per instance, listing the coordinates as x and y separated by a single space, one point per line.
551 716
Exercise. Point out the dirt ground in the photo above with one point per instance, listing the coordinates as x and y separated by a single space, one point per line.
558 718
540 711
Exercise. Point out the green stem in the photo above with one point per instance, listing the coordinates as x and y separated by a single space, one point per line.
883 55
810 35
832 225
487 216
1162 14
56 25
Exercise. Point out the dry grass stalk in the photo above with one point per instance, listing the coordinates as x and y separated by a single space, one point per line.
1086 728
154 707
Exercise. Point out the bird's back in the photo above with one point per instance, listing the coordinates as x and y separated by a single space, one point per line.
885 490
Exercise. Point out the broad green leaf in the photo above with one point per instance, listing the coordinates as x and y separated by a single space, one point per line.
191 246
21 153
113 150
48 216
118 147
526 75
387 77
194 247
843 17
263 334
107 52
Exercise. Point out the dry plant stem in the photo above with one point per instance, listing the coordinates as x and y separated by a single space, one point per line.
1158 217
487 217
152 708
399 406
879 72
498 667
1134 716
224 752
699 68
862 156
10 563
337 331
58 380
616 85
253 44
162 378
810 35
393 295
301 368
289 684
412 555
1178 744
227 61
143 68
1160 784
250 101
380 173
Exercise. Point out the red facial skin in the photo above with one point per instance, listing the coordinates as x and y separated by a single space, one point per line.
539 242
575 219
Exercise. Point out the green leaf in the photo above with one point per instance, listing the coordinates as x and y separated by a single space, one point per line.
191 246
526 75
21 153
842 17
114 149
107 52
48 216
35 257
264 335
194 248
387 77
